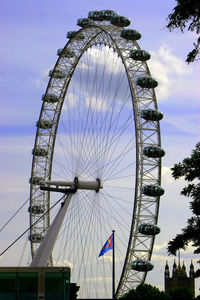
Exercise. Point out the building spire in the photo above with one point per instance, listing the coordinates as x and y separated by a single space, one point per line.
184 269
167 270
174 268
179 258
191 269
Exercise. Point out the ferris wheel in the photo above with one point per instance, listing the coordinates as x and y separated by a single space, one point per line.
98 137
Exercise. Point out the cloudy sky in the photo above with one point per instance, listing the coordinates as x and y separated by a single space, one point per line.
31 32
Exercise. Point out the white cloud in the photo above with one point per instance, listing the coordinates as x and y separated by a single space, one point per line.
187 126
71 100
96 103
166 174
63 263
172 73
107 58
42 80
97 279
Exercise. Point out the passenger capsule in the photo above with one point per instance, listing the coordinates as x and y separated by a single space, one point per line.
35 180
141 265
108 14
39 152
83 22
148 229
153 151
36 237
57 74
153 190
147 82
65 52
44 124
151 115
120 21
140 55
36 209
94 15
71 34
130 34
50 98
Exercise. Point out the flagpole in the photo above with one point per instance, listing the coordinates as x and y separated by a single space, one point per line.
113 269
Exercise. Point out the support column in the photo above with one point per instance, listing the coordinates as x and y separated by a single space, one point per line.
46 247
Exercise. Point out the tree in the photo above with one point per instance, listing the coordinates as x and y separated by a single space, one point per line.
186 14
149 292
146 292
189 169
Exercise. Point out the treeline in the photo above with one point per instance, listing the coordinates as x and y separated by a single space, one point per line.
149 292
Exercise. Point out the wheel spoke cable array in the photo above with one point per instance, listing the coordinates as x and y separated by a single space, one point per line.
99 120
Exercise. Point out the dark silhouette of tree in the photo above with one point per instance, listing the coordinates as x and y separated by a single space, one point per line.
186 15
146 292
189 168
149 292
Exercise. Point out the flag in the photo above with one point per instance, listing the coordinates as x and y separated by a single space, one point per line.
108 245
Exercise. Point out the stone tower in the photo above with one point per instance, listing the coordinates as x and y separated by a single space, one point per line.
179 277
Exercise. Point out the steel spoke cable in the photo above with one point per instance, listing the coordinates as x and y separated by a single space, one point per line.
68 159
85 241
12 217
84 216
122 207
118 198
117 137
113 105
109 217
107 127
87 139
97 111
119 187
105 135
92 227
110 144
104 99
69 131
119 177
70 222
71 216
30 227
96 122
87 118
110 106
82 96
93 111
108 208
22 252
115 162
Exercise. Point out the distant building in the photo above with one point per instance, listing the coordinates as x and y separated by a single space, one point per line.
179 278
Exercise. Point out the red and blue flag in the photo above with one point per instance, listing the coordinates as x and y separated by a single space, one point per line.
108 245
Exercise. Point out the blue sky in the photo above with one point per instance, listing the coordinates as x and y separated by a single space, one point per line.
31 32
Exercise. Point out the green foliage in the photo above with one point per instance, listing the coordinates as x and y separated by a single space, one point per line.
145 292
187 14
149 292
189 169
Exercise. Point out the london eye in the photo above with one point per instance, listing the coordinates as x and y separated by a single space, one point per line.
98 135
